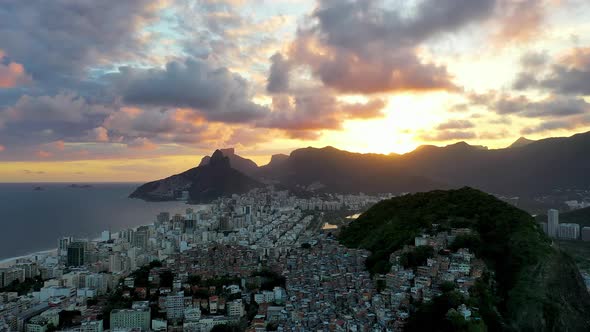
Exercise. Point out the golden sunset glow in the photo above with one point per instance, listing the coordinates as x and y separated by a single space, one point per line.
179 79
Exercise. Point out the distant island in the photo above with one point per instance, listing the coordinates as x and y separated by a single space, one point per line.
80 186
38 188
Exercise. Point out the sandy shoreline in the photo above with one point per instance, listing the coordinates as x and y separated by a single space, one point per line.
7 262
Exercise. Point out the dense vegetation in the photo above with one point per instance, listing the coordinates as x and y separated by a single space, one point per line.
437 315
24 287
579 250
416 257
521 293
269 279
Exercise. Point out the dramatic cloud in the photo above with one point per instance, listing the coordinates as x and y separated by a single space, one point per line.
569 75
370 46
306 114
41 125
158 125
62 108
59 38
96 79
217 93
35 122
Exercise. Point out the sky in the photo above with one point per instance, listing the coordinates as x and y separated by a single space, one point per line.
136 90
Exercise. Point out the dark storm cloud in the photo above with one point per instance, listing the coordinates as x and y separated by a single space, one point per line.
217 93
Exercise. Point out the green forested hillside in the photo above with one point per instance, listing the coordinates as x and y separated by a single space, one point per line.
534 285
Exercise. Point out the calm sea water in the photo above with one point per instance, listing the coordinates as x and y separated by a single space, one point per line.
32 220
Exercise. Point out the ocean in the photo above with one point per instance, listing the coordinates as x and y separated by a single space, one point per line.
33 220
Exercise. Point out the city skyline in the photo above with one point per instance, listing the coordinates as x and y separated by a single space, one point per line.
140 90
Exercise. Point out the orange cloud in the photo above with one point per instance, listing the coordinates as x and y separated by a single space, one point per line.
143 144
577 58
44 154
132 111
57 145
521 21
2 148
12 74
188 115
101 134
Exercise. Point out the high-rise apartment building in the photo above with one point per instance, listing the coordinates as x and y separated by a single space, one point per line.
62 245
553 223
175 307
76 254
141 237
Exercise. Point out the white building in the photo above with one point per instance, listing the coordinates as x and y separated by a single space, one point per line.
46 292
91 326
86 293
131 318
235 308
569 231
